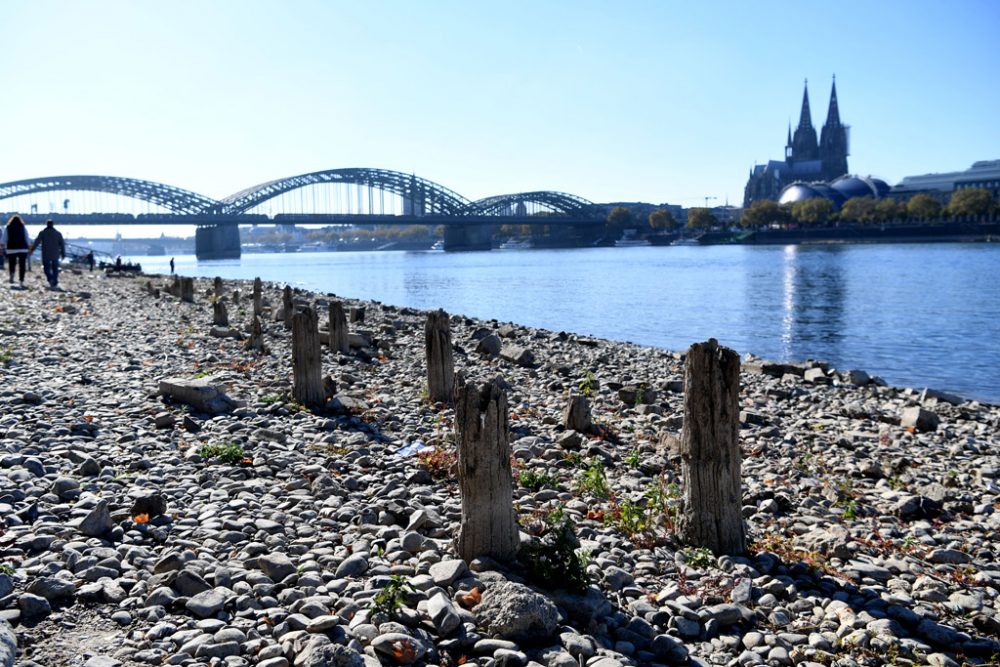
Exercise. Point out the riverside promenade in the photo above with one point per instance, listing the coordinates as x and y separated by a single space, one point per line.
138 530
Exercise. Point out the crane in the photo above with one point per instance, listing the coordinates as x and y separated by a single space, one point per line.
706 200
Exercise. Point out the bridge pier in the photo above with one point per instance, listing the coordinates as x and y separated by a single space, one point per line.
217 242
467 237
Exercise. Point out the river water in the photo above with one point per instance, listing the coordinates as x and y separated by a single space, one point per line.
918 315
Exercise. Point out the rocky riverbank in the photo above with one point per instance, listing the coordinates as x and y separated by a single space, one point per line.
139 531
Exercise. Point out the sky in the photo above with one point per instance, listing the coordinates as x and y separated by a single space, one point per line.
656 101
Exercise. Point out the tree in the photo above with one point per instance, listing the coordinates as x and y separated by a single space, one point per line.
700 218
923 207
662 218
815 211
619 218
970 202
886 209
858 209
764 212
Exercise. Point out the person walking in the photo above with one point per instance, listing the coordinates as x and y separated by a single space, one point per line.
53 249
171 266
15 243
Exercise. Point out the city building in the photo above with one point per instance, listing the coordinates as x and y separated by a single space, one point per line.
984 174
806 157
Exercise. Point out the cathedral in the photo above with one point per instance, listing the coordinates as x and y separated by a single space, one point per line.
806 158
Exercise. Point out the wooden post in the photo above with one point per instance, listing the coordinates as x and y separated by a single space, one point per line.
576 416
307 369
220 316
236 297
187 290
175 287
256 340
357 315
711 514
339 340
217 287
440 366
256 297
489 526
288 305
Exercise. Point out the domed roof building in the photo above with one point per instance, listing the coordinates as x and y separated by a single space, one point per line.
806 159
842 189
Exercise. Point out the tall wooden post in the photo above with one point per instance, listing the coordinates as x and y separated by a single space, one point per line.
256 297
440 365
307 369
256 340
187 290
339 340
489 526
288 305
576 416
217 287
711 506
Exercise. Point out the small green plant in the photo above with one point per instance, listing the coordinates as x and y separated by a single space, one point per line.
425 394
6 355
664 499
200 374
630 518
552 558
439 462
6 569
850 511
700 558
588 385
575 459
270 399
594 481
230 452
632 460
535 480
640 394
392 596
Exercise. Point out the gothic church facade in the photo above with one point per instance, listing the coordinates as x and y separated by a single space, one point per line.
806 157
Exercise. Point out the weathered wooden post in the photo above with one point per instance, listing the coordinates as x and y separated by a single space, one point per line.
175 287
288 306
482 429
576 416
187 290
256 340
710 451
339 339
217 287
307 369
220 316
256 297
357 315
440 365
236 297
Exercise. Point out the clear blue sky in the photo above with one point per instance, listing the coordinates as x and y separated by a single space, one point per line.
614 101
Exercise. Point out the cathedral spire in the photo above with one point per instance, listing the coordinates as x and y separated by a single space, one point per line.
833 114
805 118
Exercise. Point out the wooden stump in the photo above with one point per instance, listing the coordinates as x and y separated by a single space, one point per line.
256 297
175 287
217 287
256 340
440 365
187 290
236 297
339 340
358 315
576 416
220 316
489 526
307 369
288 305
711 514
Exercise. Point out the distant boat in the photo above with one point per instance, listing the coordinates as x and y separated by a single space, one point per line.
630 239
515 243
686 242
438 245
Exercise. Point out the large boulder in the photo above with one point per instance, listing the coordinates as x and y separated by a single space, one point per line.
202 394
8 644
919 419
513 611
518 355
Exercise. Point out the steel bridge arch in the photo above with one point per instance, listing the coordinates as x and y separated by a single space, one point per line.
167 196
499 205
427 196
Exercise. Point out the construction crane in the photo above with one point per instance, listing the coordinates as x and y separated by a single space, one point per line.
706 200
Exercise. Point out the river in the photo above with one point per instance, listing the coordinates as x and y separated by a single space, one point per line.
918 315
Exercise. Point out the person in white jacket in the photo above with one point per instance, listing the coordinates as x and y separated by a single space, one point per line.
15 244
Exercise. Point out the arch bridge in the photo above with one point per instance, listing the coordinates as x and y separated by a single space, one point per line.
333 196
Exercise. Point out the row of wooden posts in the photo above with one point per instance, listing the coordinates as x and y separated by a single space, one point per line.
711 509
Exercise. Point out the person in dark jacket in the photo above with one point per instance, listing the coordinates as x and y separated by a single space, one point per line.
15 243
53 249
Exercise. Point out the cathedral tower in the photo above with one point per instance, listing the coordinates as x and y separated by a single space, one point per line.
833 147
804 145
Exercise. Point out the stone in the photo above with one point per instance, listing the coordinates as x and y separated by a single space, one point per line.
207 603
399 648
513 611
8 644
443 613
517 355
151 504
52 588
33 606
918 419
98 521
202 394
445 572
489 346
276 566
353 566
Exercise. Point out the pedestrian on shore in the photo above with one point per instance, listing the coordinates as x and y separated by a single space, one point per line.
53 249
90 260
171 266
15 244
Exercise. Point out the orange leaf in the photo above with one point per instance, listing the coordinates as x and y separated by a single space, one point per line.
404 651
470 599
141 518
88 418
